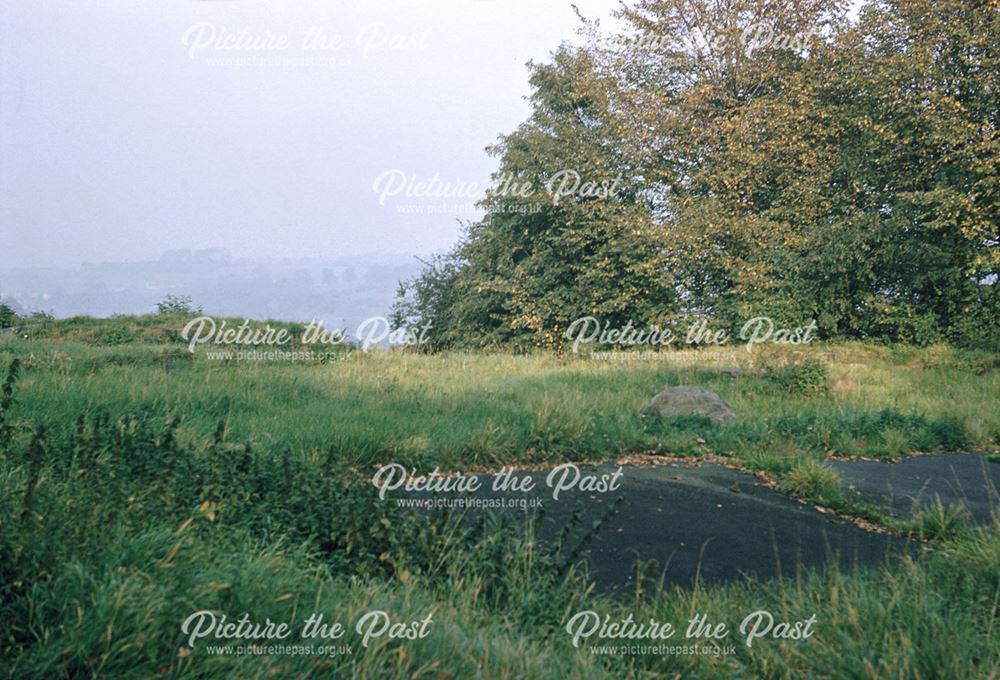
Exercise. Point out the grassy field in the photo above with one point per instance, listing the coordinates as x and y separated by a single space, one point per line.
164 483
461 410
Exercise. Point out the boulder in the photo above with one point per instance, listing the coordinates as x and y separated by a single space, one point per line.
685 401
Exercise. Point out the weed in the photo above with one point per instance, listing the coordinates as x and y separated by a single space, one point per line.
811 479
938 522
809 377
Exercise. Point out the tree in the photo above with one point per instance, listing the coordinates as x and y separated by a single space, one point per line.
8 317
566 232
177 304
918 88
430 298
836 171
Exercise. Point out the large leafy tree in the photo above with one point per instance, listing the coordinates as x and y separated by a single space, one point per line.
837 171
566 234
849 176
915 89
726 128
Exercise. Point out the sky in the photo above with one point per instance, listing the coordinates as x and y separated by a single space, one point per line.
269 129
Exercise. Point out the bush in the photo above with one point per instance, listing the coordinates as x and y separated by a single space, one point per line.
118 336
949 433
809 377
178 305
8 317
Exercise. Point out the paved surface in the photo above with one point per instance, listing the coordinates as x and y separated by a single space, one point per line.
965 479
696 521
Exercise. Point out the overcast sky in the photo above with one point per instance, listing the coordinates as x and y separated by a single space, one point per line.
130 128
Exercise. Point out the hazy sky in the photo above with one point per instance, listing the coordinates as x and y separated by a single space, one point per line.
130 128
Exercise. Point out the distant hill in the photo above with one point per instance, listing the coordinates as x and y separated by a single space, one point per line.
340 291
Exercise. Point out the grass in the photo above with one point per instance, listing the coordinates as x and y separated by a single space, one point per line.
139 484
813 480
109 544
938 522
462 410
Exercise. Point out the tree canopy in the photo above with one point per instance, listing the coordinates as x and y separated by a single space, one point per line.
738 159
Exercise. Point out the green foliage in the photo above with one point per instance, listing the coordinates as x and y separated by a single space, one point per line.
144 500
539 260
688 423
133 530
950 433
178 305
807 377
938 522
6 401
431 298
8 317
852 182
118 336
455 410
813 480
103 497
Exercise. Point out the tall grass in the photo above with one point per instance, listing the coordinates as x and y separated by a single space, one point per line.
458 410
139 484
109 542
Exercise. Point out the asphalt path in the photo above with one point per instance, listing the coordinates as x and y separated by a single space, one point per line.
968 480
683 522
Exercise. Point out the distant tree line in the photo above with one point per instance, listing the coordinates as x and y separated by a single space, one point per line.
758 158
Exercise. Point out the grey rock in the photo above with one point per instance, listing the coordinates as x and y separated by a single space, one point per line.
687 400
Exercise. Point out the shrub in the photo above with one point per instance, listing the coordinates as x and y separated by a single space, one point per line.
8 317
809 377
949 433
178 305
118 336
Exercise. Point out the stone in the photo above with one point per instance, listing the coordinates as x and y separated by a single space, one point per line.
686 400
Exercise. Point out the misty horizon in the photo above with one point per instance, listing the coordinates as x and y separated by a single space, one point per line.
254 128
337 290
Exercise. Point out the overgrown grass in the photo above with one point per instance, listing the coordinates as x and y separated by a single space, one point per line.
460 410
139 484
107 545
